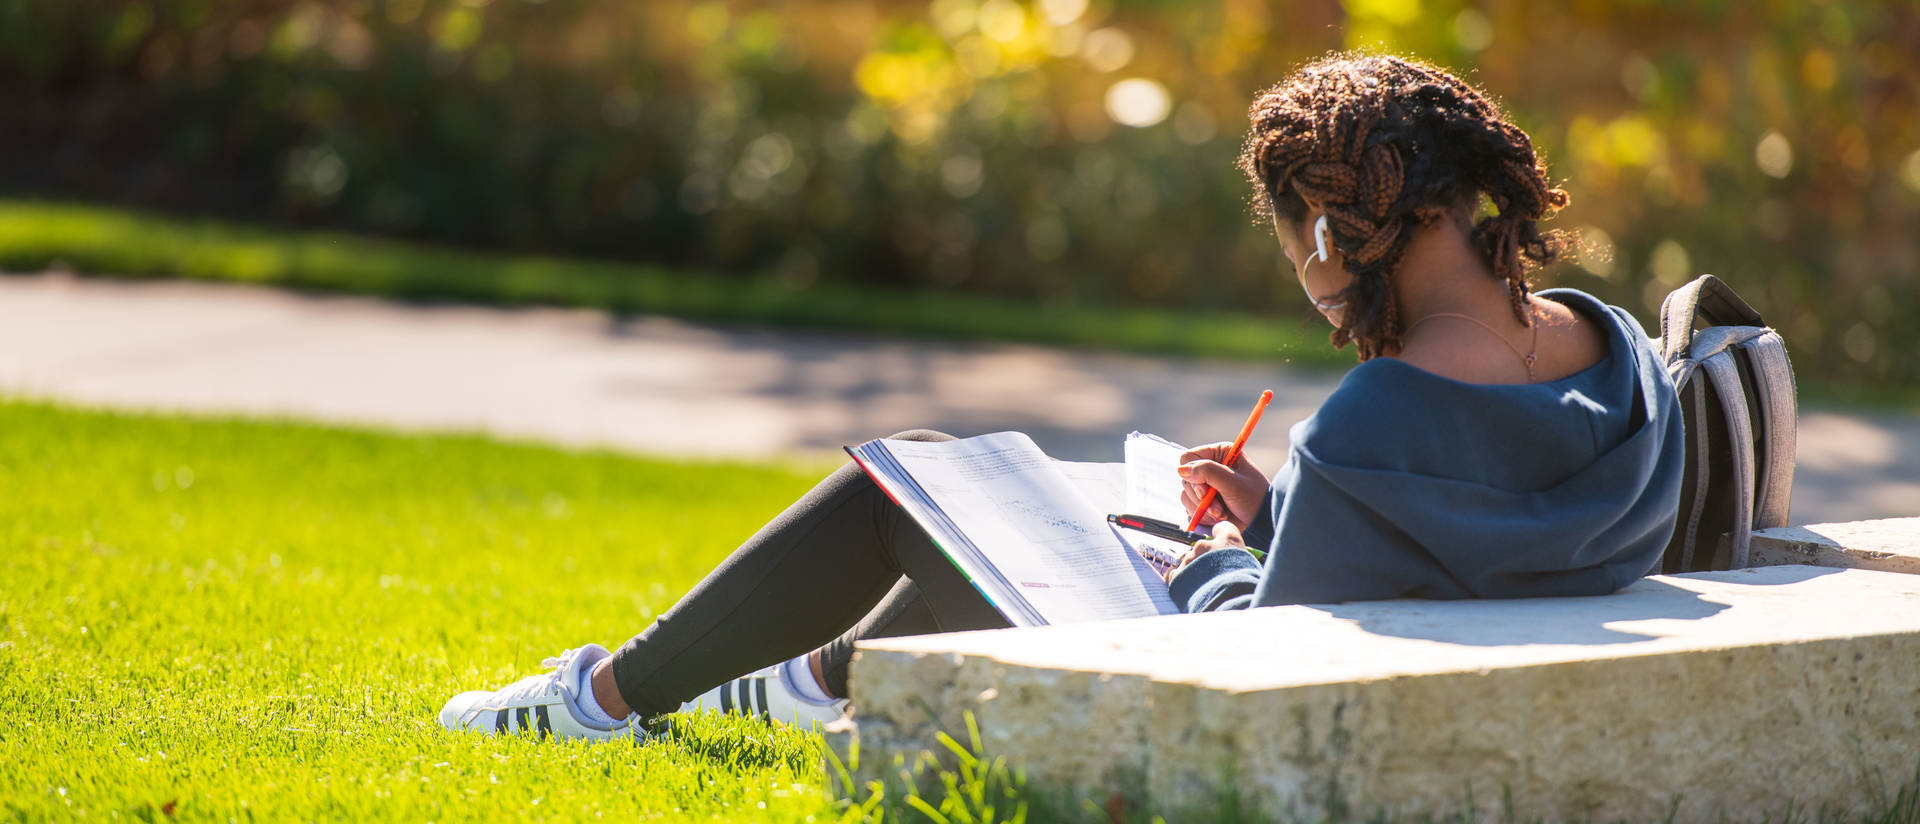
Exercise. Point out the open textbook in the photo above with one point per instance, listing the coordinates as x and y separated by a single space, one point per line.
1031 532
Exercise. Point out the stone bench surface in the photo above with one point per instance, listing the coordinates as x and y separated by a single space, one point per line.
1889 544
1733 693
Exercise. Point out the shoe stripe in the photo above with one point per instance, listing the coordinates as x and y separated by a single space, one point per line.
520 719
500 721
746 698
760 689
726 698
545 727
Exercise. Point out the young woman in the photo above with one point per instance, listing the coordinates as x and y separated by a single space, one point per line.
1492 443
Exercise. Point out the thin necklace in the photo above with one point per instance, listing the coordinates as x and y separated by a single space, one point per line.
1528 358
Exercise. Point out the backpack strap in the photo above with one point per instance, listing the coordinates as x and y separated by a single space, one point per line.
1773 385
1706 297
1733 400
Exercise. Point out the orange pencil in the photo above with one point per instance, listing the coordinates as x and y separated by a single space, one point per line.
1233 454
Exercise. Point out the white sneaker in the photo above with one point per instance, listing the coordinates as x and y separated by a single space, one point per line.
765 693
541 703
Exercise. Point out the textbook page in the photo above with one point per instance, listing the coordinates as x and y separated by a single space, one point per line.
1104 484
1045 537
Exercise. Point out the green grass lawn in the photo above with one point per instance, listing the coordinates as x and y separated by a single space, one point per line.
233 620
208 619
105 241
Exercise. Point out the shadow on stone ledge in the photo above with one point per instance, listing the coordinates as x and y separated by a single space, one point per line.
1521 621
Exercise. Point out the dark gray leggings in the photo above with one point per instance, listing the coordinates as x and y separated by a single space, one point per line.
844 563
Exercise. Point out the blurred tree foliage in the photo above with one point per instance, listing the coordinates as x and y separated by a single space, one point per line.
1067 150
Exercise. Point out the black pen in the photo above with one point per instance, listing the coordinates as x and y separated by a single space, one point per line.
1157 528
1172 532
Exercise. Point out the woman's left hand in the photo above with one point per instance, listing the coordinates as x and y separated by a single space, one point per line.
1225 534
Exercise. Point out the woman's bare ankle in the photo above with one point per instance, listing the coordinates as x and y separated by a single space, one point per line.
606 693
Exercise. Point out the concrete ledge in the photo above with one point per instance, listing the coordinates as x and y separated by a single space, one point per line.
1732 693
1890 544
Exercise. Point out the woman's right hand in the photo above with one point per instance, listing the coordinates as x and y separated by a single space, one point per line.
1243 487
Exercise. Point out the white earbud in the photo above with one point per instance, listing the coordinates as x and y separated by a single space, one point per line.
1322 238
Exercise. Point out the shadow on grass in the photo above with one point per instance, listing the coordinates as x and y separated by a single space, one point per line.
737 741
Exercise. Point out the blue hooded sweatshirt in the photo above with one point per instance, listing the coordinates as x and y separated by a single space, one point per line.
1409 484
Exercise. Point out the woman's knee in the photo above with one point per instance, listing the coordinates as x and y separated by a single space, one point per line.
928 435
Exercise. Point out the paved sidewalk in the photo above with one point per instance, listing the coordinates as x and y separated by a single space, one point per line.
657 385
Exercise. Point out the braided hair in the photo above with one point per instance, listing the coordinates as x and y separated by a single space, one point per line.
1384 145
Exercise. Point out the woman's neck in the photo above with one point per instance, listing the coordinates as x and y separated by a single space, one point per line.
1441 273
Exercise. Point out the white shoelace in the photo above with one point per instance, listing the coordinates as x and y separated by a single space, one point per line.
549 683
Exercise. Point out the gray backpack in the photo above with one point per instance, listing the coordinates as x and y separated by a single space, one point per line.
1737 399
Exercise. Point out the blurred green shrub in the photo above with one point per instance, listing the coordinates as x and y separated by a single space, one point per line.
1067 150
